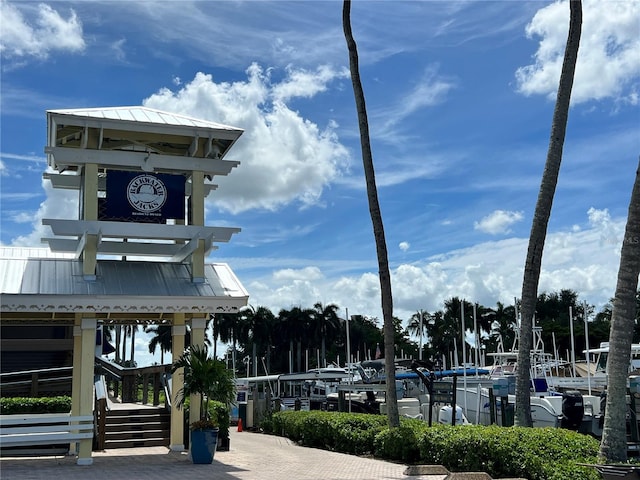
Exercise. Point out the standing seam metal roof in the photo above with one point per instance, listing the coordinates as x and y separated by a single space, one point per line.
141 114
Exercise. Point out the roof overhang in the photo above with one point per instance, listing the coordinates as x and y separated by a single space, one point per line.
40 290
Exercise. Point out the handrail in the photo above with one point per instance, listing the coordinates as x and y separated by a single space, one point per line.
32 382
101 405
166 384
38 371
129 378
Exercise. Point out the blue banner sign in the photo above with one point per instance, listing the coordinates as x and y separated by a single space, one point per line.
142 197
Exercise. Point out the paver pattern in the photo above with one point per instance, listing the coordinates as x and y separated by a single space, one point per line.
252 456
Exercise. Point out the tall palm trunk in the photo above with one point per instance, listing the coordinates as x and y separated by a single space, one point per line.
123 357
133 342
118 340
376 220
613 447
542 214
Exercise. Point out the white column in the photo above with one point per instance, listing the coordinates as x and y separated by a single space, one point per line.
197 338
88 327
75 374
178 333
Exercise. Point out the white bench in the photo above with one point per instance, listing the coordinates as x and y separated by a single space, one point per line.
25 430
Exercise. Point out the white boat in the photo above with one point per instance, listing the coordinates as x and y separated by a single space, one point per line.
570 409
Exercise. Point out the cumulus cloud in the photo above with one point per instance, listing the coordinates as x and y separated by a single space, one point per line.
608 59
404 246
486 273
59 203
301 83
38 31
498 222
284 157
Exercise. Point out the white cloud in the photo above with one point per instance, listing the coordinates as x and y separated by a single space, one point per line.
43 32
608 60
404 246
59 203
304 84
498 222
118 50
308 273
431 89
485 273
285 157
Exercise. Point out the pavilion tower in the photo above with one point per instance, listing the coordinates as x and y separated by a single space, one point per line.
142 177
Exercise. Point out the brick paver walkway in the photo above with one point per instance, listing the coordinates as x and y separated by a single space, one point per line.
252 456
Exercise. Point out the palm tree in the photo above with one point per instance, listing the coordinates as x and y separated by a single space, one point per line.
230 330
613 447
451 328
296 326
162 337
327 325
133 329
418 326
128 331
204 376
542 213
259 324
376 220
503 327
264 324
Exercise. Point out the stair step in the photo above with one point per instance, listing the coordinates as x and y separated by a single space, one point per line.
110 436
137 419
134 428
157 442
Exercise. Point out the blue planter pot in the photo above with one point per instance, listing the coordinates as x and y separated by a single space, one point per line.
203 445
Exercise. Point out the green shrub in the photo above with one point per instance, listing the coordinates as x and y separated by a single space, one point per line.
400 443
355 432
221 412
532 453
15 405
343 432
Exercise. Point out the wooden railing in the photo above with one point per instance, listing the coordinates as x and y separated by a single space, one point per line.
125 382
36 383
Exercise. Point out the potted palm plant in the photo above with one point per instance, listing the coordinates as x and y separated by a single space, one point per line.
209 378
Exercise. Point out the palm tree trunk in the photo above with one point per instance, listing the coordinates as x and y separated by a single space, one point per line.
376 220
124 344
118 340
613 448
133 342
542 214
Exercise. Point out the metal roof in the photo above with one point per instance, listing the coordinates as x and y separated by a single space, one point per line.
56 286
141 115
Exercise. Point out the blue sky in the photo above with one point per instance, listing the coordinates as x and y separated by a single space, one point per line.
460 97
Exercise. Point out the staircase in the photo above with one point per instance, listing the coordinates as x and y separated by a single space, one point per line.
137 427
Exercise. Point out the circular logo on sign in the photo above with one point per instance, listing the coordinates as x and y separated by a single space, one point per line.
146 193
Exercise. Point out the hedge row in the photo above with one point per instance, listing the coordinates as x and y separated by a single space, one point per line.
532 453
14 405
